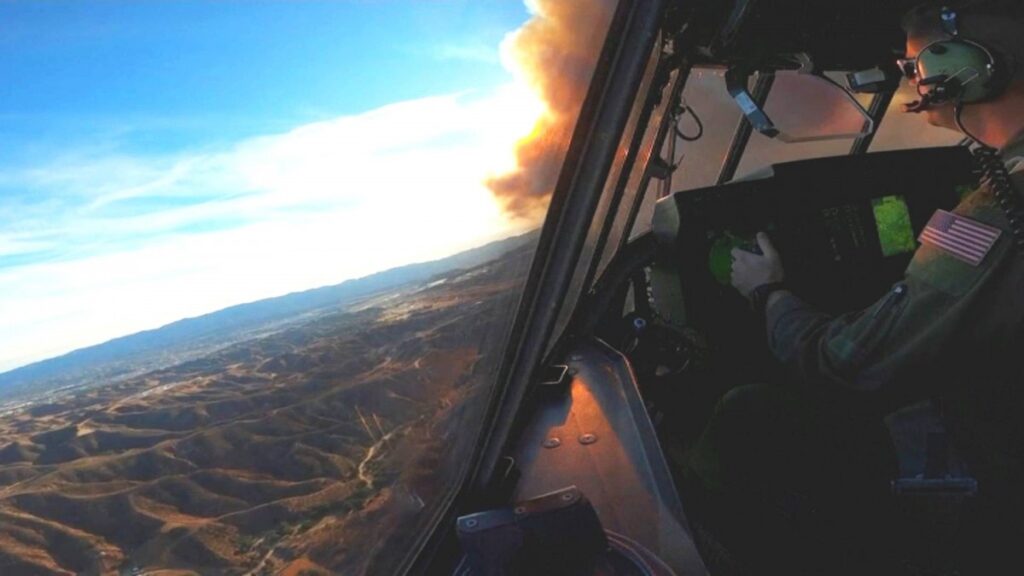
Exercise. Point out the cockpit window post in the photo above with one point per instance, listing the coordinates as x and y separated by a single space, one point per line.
762 87
636 141
579 188
682 75
879 105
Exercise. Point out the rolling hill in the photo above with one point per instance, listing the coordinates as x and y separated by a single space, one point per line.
193 337
322 446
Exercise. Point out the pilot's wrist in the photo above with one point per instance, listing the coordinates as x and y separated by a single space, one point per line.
775 297
763 296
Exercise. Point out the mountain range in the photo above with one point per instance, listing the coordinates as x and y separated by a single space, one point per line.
190 338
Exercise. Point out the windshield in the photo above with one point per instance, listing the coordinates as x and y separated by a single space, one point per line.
257 269
617 196
700 162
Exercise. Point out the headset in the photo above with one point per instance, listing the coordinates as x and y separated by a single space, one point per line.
963 71
955 70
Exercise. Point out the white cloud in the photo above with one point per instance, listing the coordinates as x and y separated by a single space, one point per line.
145 241
483 53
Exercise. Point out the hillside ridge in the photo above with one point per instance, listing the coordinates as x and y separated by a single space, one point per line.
188 338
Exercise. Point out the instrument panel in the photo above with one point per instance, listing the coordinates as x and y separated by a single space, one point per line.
846 226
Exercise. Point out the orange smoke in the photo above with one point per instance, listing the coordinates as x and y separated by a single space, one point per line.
554 53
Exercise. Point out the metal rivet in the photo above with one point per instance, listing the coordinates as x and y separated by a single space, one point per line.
588 438
520 510
552 443
471 523
568 496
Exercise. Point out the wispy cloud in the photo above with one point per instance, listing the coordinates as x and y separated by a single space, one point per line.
482 52
99 244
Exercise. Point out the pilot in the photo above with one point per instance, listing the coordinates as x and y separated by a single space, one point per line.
804 469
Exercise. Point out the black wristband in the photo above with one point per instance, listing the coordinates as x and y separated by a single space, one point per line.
759 295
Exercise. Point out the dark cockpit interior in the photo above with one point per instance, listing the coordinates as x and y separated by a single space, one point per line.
847 225
657 334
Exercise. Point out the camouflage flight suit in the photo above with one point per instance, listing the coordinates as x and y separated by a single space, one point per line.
949 331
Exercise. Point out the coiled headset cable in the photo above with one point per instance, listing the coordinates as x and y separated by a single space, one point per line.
997 177
994 173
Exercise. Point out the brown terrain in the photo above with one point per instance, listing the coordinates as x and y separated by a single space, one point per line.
321 449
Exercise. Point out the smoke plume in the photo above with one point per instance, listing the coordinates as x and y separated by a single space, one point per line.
554 53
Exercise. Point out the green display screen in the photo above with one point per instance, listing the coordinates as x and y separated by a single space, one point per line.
720 255
720 259
893 222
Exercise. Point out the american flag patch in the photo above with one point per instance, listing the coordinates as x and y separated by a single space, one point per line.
960 237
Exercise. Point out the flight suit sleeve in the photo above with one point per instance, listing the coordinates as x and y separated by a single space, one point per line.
918 324
819 347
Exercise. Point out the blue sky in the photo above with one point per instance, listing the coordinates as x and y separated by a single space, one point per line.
160 160
164 74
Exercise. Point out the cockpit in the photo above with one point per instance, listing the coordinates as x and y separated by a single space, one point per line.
497 289
707 123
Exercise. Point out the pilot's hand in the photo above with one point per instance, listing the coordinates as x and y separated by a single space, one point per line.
750 270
